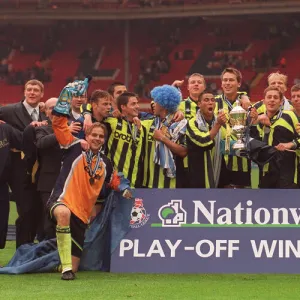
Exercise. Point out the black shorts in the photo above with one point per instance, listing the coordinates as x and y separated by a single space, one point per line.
77 228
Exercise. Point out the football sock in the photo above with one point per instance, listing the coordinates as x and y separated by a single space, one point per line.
63 235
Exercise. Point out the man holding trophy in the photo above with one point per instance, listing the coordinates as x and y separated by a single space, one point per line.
208 141
235 171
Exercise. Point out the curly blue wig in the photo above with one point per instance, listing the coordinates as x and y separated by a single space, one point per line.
166 96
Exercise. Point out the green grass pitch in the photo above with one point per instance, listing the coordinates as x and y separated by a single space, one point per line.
97 285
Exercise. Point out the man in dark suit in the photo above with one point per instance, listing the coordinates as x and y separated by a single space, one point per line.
20 115
9 138
49 158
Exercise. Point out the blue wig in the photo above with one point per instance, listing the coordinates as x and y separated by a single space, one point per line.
166 96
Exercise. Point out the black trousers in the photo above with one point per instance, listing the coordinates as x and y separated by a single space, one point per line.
4 212
273 181
26 197
46 226
182 174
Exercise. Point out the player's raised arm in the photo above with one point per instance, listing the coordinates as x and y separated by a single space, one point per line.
61 112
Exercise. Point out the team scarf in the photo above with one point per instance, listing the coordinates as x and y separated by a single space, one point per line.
162 154
217 157
76 88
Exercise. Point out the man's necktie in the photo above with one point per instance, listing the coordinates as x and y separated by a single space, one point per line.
34 115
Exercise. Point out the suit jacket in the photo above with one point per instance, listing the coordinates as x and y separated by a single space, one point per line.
29 147
17 116
49 157
9 138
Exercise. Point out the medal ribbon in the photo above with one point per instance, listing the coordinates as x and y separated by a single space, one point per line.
133 131
164 124
167 122
89 159
230 105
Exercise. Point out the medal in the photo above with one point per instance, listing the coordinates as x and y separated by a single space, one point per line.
88 168
165 131
165 124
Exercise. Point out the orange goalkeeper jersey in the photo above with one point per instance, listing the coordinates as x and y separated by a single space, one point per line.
73 187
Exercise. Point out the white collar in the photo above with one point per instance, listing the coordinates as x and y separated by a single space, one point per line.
75 115
30 108
286 104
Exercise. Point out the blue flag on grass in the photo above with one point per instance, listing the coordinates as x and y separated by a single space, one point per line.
102 238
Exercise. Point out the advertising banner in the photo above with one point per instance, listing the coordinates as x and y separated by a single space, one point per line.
211 231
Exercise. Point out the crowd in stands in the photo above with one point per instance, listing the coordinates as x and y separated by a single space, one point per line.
230 54
150 70
41 71
16 41
154 63
158 62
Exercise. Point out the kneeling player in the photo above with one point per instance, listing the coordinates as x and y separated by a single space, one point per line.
76 190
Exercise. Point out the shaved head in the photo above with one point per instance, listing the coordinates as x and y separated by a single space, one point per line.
49 105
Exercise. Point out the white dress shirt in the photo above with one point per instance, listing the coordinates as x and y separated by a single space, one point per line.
30 110
75 115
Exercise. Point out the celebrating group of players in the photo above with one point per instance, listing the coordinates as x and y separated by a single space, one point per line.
171 151
59 163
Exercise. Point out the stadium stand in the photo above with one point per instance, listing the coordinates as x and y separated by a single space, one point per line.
160 52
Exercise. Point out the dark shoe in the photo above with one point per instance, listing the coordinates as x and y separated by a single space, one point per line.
68 275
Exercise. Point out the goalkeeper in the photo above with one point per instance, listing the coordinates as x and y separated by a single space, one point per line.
84 172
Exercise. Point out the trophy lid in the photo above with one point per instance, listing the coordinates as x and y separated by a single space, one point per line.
238 116
238 109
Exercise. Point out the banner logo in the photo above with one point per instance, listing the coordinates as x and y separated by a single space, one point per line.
139 216
172 214
209 214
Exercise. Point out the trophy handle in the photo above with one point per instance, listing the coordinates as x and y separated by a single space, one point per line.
227 138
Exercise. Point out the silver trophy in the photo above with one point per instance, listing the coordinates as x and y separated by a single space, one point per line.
238 119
